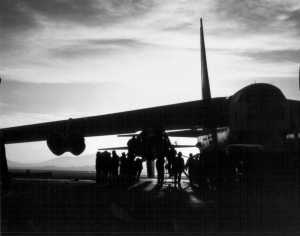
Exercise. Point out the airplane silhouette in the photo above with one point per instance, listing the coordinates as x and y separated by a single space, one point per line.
258 114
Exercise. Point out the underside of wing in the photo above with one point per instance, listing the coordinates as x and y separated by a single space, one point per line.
176 116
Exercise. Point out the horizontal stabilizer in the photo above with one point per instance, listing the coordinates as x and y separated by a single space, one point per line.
134 134
193 133
183 146
113 148
125 147
127 135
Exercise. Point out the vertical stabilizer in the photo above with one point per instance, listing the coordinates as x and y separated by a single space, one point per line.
204 73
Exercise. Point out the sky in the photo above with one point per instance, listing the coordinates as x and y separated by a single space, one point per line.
75 58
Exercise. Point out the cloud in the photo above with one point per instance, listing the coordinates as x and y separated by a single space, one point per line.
22 118
262 16
294 18
23 19
96 47
275 55
179 27
14 16
56 98
26 14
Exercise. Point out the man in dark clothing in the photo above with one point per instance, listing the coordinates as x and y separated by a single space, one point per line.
190 166
123 167
130 167
171 158
138 168
98 167
178 168
160 170
114 166
106 165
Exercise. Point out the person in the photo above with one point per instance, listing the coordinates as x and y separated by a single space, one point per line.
171 155
106 165
190 166
178 168
138 167
130 167
168 167
98 167
123 166
160 170
114 166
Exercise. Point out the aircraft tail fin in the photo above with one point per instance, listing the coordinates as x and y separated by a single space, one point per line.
204 72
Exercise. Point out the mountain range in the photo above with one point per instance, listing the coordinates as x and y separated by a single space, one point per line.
81 163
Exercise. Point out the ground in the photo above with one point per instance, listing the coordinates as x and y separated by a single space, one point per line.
265 204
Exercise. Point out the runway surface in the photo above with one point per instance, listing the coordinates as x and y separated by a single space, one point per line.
268 204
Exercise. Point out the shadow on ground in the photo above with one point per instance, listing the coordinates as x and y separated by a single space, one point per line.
262 205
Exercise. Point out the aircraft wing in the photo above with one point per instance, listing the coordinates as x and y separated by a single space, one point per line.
176 116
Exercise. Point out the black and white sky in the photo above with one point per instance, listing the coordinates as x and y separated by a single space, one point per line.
73 58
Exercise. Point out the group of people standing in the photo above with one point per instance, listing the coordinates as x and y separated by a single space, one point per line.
114 169
201 169
175 167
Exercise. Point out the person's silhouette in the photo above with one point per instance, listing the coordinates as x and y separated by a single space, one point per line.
123 166
138 167
98 167
160 170
190 166
171 155
178 168
115 166
106 165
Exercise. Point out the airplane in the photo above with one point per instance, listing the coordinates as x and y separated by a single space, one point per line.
258 114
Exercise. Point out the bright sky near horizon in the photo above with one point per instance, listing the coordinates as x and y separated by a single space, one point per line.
74 58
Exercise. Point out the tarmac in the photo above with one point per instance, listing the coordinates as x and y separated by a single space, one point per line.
265 205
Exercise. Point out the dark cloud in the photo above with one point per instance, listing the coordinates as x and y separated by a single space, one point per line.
17 16
21 14
257 15
20 19
97 47
294 17
89 11
275 55
14 15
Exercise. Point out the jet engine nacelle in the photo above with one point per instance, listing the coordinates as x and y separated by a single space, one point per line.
150 144
258 115
59 143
